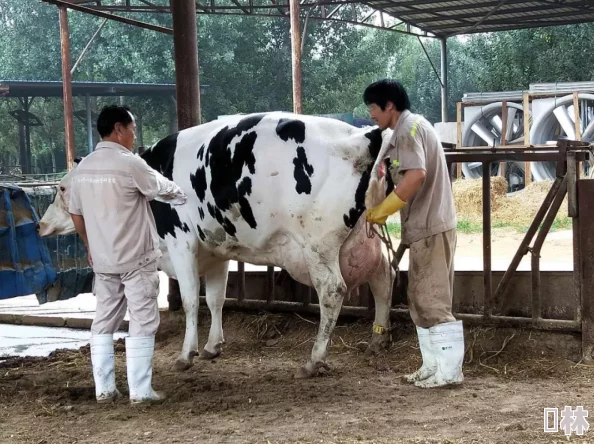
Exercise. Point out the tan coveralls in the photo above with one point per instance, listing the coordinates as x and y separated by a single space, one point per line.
111 189
428 220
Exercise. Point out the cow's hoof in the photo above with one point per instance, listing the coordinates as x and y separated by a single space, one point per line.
182 364
310 370
378 344
211 355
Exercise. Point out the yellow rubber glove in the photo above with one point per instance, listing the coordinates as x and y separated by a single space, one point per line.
390 205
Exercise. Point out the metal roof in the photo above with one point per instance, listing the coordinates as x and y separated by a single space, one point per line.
27 88
448 18
419 17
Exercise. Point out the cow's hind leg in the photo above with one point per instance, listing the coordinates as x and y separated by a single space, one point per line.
216 285
186 269
381 284
324 269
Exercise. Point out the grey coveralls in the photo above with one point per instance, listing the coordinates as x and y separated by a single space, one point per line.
111 189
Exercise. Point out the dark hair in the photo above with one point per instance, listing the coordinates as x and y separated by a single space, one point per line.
384 91
109 116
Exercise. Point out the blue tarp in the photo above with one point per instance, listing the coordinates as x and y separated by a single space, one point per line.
67 253
25 263
54 268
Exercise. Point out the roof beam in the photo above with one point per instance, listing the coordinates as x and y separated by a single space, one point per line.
489 14
117 18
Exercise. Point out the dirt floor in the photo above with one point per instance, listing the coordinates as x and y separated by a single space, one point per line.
249 395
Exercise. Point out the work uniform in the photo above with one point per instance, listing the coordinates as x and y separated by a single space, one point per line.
429 229
111 189
428 220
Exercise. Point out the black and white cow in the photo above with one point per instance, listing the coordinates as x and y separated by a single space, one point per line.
268 189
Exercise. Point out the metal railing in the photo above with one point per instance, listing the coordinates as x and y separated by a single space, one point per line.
566 153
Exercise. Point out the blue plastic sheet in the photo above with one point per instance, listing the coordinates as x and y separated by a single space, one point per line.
67 253
25 263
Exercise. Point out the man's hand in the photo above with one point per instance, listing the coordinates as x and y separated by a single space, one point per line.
169 191
390 205
173 198
81 229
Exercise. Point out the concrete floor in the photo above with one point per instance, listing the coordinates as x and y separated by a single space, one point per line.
31 340
28 340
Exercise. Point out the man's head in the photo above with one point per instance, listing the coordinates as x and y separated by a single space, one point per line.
386 100
116 124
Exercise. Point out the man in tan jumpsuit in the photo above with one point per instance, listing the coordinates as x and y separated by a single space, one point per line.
109 205
423 193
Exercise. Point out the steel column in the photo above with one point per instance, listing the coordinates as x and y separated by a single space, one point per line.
89 123
28 135
296 55
585 243
185 45
67 89
536 248
187 87
487 276
444 80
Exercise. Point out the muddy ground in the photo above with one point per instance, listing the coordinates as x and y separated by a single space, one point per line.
249 395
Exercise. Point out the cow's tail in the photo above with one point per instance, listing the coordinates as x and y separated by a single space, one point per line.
376 190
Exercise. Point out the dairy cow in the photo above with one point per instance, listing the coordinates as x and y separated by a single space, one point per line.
268 189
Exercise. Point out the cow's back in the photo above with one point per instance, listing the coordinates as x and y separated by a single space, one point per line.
251 178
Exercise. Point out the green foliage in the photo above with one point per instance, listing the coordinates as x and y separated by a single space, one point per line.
245 66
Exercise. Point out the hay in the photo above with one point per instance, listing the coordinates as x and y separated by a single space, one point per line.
517 209
523 206
468 195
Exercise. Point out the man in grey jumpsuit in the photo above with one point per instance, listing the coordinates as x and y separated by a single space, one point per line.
109 205
423 192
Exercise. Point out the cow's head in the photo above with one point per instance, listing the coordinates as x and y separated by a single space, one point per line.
56 220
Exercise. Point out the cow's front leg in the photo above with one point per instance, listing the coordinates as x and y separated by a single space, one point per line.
381 284
216 286
186 270
331 289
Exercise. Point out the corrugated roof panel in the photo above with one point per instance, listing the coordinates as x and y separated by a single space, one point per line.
445 18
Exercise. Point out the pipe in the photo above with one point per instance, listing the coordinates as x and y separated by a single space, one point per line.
296 55
444 80
363 312
487 293
187 83
503 286
67 89
89 123
86 48
540 238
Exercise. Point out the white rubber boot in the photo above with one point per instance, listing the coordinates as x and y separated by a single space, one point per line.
139 363
103 361
447 342
429 366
